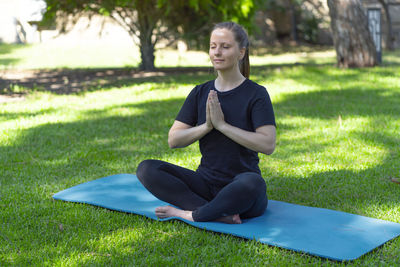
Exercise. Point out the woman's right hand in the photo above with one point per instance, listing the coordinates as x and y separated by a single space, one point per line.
182 134
208 116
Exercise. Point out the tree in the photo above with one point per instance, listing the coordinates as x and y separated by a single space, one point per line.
389 36
141 19
351 37
149 21
194 21
300 20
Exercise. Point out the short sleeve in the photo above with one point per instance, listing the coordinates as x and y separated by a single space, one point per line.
262 112
188 112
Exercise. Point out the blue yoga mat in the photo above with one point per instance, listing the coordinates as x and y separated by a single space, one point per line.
321 232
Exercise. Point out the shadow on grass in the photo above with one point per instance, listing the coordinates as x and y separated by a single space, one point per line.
68 81
7 115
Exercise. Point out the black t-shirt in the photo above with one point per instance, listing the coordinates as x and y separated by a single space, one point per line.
248 107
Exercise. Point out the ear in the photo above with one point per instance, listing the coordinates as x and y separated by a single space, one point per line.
242 52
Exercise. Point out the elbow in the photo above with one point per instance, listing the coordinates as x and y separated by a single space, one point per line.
268 150
172 143
172 146
270 146
268 141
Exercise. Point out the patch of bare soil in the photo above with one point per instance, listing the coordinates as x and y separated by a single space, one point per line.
11 98
73 81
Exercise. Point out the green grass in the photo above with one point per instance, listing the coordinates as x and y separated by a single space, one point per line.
338 146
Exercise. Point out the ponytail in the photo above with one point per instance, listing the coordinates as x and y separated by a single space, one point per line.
244 64
243 41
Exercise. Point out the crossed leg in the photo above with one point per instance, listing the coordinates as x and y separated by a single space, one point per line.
186 189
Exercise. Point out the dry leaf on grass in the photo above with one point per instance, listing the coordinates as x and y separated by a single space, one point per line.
395 180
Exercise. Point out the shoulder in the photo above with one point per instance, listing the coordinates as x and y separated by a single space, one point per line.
201 91
257 89
205 86
255 85
201 88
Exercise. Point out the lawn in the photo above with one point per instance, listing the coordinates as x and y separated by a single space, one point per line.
337 148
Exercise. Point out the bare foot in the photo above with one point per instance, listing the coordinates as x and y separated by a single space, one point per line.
168 211
232 219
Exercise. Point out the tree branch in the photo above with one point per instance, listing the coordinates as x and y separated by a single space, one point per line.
129 27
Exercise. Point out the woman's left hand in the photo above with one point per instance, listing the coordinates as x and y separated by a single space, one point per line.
216 114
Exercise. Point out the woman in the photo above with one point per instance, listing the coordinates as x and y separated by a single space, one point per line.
233 119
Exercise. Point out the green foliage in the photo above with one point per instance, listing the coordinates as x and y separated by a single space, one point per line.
190 20
309 28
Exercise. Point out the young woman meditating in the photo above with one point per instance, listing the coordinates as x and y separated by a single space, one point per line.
233 119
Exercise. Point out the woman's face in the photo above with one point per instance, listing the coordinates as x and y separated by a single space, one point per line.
224 50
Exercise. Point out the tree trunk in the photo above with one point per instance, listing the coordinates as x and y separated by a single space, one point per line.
146 51
353 42
147 24
389 36
294 22
140 27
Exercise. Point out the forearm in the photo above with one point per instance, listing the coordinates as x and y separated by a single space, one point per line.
185 136
256 141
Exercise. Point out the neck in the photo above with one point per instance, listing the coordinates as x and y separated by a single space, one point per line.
228 79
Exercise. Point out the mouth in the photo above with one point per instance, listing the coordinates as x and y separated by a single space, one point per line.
218 60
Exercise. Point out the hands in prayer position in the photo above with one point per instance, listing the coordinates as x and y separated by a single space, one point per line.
214 115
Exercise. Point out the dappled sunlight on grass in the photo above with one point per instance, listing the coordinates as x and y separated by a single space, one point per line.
335 126
331 145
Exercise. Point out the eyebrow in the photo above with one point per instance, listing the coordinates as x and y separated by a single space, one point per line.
223 43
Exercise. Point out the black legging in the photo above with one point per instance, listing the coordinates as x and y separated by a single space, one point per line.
186 189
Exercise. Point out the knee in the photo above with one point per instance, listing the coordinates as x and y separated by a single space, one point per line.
252 183
145 169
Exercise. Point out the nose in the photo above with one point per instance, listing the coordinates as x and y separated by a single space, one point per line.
218 50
